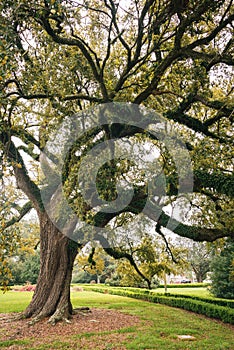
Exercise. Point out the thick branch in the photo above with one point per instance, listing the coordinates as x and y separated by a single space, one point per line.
196 125
171 57
120 254
39 96
193 232
23 180
190 122
216 181
209 59
25 136
187 21
140 34
212 35
137 205
78 43
22 212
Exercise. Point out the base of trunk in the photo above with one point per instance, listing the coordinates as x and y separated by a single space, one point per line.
60 315
52 295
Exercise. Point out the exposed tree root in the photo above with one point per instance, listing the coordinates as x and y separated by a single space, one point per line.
13 318
82 310
35 320
61 314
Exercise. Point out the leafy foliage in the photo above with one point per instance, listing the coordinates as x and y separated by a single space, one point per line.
154 261
222 268
174 60
19 260
9 238
25 269
95 265
198 256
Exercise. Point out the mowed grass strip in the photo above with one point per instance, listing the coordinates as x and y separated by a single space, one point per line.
159 328
199 291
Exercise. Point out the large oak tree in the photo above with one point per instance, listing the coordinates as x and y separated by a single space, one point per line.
62 57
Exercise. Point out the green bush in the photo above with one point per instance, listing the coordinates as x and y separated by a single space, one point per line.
222 268
223 313
83 277
26 269
217 301
221 302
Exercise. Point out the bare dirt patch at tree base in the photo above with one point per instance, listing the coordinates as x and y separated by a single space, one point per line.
95 322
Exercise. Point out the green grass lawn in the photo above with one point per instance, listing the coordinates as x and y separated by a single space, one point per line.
198 291
159 329
14 301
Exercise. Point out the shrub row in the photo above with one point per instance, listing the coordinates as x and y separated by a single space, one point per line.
178 285
223 313
216 301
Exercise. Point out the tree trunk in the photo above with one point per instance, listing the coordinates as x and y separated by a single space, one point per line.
52 294
165 281
199 278
198 274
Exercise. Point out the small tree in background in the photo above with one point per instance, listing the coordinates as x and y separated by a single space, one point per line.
154 260
25 269
198 256
222 268
24 264
93 264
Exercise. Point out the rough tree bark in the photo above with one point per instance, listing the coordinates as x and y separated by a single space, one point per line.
52 294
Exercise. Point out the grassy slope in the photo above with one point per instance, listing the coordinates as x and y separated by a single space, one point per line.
161 333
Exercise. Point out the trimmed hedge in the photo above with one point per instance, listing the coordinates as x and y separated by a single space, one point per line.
177 285
216 301
223 313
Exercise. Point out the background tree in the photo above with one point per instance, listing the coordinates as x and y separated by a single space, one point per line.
9 232
222 268
97 264
198 256
60 57
25 260
25 269
154 259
